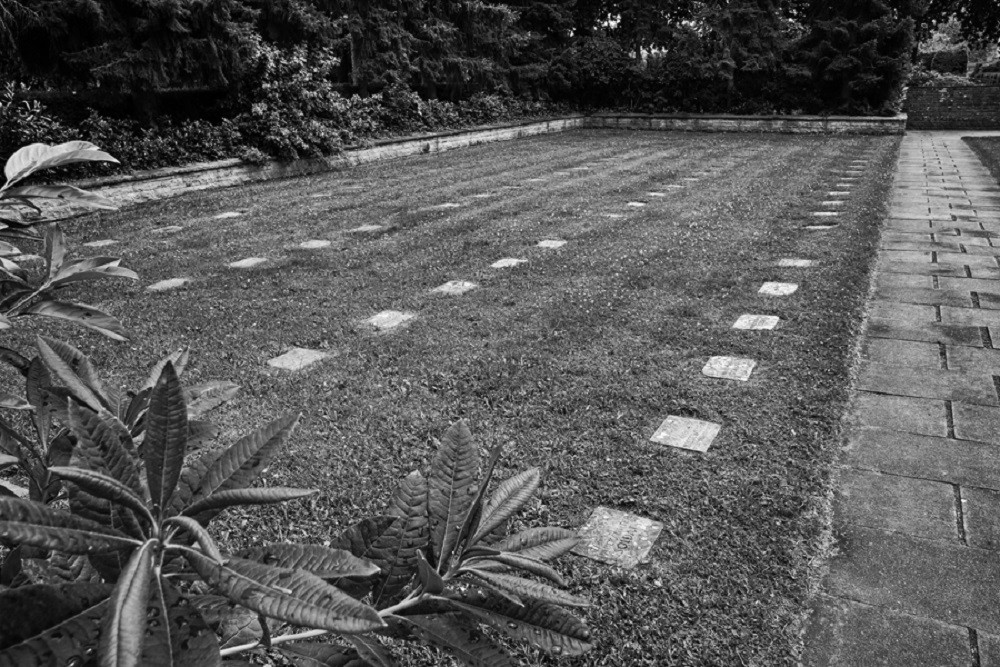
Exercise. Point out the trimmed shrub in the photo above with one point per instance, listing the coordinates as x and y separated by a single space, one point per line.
950 61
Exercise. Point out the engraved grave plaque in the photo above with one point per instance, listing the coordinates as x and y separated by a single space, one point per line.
247 263
729 368
617 538
686 433
777 289
756 322
455 287
507 262
297 358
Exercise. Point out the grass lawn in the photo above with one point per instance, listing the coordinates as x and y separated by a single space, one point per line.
988 150
571 359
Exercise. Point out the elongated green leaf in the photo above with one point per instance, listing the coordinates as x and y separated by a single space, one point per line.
34 524
166 438
459 638
238 466
6 461
451 489
103 486
81 314
12 402
179 359
429 579
473 516
103 444
547 626
5 322
404 539
371 651
15 359
302 654
288 595
316 559
34 157
234 625
67 372
176 634
364 540
509 497
80 365
55 249
205 541
8 250
542 544
55 625
36 379
205 397
264 496
526 588
124 627
67 193
99 273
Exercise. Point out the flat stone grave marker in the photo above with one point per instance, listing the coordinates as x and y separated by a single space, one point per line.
795 263
818 228
449 204
102 243
169 229
613 215
617 538
825 214
560 173
690 178
551 243
455 287
507 262
777 289
315 244
657 194
247 263
674 186
729 368
537 180
297 359
484 195
366 229
686 433
579 168
636 204
838 193
834 202
228 214
756 322
168 284
390 319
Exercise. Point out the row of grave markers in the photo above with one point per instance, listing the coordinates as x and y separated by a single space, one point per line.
610 536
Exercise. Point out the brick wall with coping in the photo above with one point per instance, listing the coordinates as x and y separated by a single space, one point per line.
163 183
954 108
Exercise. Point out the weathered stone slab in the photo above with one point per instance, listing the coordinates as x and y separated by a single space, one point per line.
973 359
656 194
903 353
455 287
932 297
449 204
390 319
756 322
976 422
729 368
102 243
247 263
844 633
928 578
617 538
819 228
636 204
838 193
613 215
833 202
777 289
169 229
920 269
917 507
975 388
168 284
507 262
551 243
315 244
930 332
297 358
976 317
484 195
913 415
901 313
793 263
579 168
686 433
228 214
981 508
366 229
825 214
536 180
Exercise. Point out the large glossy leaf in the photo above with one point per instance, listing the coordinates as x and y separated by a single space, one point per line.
237 466
324 562
63 568
36 379
543 543
371 651
234 624
547 626
124 626
404 539
103 486
34 157
104 445
509 497
205 397
54 625
68 193
258 496
55 249
81 314
74 274
302 654
526 588
288 595
79 364
5 322
7 461
198 532
451 490
507 561
459 638
176 633
12 402
31 523
166 438
365 539
51 353
179 359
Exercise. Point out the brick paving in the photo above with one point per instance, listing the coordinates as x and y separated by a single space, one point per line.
914 576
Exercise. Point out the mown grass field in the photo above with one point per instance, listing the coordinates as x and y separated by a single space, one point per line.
570 360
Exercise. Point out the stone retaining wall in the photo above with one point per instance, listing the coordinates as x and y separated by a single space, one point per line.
163 183
954 108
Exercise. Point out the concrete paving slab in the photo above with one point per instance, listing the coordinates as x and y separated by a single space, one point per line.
917 507
927 297
975 317
914 415
981 509
884 280
973 359
686 433
902 353
948 385
902 313
976 422
929 332
297 359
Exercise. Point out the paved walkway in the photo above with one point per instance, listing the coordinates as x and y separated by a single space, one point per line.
915 576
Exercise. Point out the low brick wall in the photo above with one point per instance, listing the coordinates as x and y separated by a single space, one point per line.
954 108
730 123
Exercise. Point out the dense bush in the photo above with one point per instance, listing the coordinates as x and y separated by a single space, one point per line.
946 61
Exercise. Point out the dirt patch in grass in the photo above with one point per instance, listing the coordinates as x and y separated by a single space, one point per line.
988 150
571 360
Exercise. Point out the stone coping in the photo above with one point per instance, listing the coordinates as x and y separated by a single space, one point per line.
887 125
